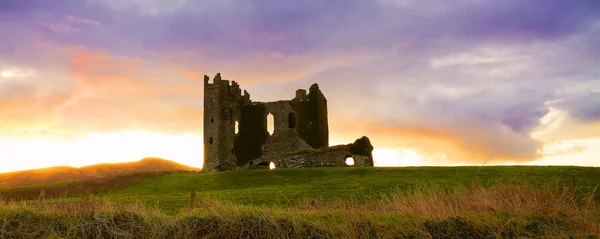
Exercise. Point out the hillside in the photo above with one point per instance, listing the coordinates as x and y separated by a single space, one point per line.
349 202
98 171
290 186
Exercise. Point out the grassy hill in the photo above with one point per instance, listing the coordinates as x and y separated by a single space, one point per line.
290 186
98 171
414 202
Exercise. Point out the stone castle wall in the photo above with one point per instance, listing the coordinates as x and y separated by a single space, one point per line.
299 123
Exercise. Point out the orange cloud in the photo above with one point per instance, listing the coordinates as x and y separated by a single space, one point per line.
102 92
115 93
106 75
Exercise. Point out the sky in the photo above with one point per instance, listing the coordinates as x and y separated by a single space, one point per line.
430 82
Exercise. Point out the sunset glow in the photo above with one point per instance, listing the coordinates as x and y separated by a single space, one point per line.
395 157
6 74
94 148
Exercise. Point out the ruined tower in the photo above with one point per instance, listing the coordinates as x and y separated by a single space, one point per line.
235 128
221 111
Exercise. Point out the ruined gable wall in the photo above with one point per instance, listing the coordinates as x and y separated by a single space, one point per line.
284 139
295 121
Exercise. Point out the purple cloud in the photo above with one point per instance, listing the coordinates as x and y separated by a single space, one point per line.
236 27
585 108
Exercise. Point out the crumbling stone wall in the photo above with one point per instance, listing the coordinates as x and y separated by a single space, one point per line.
300 123
361 151
333 158
336 158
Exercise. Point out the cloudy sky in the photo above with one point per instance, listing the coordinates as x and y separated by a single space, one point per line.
431 82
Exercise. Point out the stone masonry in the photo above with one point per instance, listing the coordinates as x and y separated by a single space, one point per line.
236 136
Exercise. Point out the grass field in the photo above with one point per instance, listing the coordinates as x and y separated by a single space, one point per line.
289 186
414 202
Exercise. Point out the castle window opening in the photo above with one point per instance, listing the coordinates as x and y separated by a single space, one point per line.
237 127
212 120
210 140
270 124
349 161
232 151
292 120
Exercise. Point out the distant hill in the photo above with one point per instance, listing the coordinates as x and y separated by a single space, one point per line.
97 171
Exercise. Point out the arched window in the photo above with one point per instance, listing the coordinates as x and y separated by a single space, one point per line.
292 120
270 124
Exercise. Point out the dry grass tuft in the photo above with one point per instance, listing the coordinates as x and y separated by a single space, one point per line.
501 211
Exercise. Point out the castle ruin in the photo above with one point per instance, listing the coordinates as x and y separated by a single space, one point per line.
236 135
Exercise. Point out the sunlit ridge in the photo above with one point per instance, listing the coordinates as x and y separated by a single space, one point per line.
94 148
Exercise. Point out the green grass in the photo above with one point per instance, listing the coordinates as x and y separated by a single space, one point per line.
500 211
289 186
349 202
